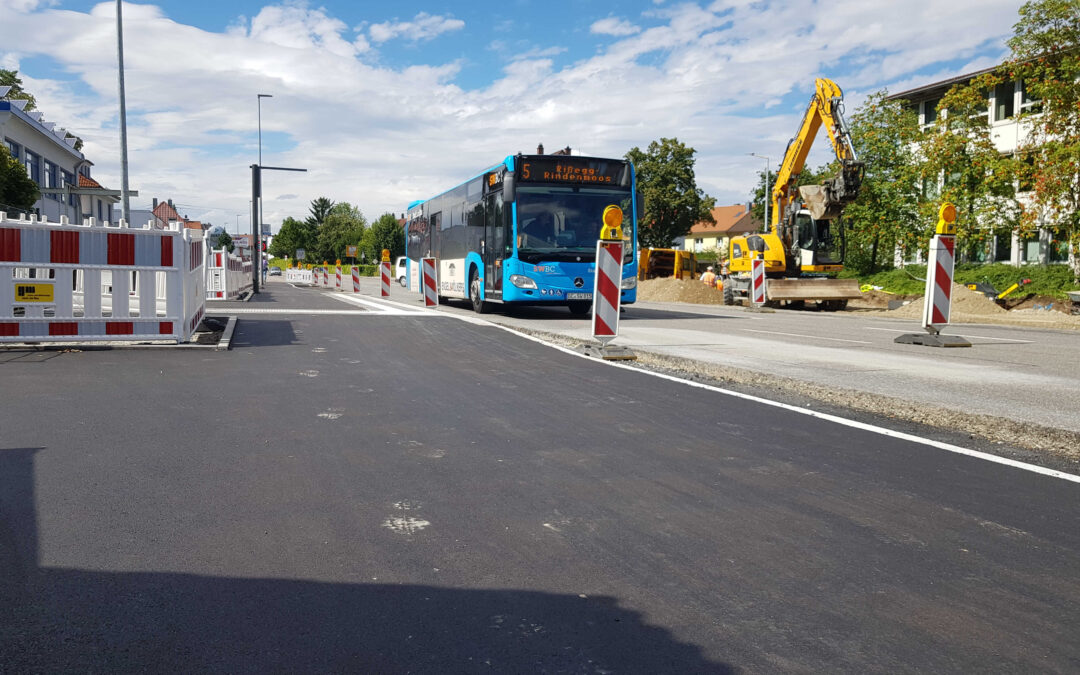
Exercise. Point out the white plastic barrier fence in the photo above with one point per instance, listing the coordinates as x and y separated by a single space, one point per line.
296 276
228 276
82 283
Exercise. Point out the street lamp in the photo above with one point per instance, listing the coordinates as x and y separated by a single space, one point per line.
256 241
768 197
259 98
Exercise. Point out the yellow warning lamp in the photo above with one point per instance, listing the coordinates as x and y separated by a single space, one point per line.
386 255
612 230
946 223
338 262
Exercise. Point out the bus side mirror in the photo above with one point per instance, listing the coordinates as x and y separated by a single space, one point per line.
509 189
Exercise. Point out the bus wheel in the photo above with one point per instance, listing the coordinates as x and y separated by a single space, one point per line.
580 307
475 293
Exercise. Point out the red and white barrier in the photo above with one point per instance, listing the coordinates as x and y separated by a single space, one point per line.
606 290
431 293
355 279
337 278
299 276
385 267
77 283
228 276
757 281
325 277
939 280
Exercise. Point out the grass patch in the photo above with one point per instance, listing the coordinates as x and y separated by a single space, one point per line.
1050 280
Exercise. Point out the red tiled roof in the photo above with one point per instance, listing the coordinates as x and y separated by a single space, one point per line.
729 220
167 213
88 182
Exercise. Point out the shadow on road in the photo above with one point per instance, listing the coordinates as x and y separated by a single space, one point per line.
260 332
67 619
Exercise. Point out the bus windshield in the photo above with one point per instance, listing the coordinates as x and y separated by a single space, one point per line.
563 223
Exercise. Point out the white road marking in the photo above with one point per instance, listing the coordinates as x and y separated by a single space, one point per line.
812 337
309 373
253 310
332 414
406 525
384 307
977 337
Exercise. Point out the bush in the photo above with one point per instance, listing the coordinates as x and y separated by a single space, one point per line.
1049 280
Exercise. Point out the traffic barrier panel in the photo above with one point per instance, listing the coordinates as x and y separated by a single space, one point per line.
337 278
757 281
228 276
298 276
385 279
83 283
606 290
355 279
431 295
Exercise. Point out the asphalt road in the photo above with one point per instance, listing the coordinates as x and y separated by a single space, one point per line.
351 489
1025 374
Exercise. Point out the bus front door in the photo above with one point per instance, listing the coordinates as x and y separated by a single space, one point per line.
494 250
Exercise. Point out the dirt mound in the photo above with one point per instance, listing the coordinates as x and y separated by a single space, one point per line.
875 300
671 289
964 302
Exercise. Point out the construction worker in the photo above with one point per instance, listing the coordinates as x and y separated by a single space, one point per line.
709 277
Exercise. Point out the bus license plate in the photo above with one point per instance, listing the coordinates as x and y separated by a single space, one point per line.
579 296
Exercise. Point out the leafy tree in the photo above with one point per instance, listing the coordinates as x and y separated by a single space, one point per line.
673 201
886 213
10 78
759 195
17 190
294 234
386 233
225 241
1046 58
342 226
320 209
959 151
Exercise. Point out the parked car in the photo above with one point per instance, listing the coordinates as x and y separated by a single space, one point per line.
275 271
399 269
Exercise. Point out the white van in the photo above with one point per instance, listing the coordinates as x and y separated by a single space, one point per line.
399 269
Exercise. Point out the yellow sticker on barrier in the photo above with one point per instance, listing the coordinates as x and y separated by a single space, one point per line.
34 293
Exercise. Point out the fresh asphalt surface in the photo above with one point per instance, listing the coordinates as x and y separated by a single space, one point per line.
372 492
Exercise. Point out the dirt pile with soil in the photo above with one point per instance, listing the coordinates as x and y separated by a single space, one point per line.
671 289
968 306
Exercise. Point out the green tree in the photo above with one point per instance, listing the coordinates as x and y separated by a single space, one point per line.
320 209
342 226
886 213
10 78
1046 58
17 190
759 195
959 151
673 201
294 234
225 241
384 233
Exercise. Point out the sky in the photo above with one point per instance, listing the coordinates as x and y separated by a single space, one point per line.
384 103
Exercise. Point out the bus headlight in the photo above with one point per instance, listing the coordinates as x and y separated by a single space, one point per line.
522 281
629 282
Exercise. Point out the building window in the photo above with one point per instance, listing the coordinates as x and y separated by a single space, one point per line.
1059 250
1029 250
68 179
930 111
1004 95
1028 104
13 147
33 167
50 180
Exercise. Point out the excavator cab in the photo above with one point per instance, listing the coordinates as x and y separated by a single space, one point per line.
817 245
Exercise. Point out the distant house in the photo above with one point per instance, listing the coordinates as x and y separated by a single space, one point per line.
1003 105
51 160
730 220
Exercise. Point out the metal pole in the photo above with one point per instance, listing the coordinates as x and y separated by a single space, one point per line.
258 232
126 207
256 194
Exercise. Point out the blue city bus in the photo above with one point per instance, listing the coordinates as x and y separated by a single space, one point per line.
524 231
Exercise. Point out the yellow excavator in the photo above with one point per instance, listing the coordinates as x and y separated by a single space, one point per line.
805 242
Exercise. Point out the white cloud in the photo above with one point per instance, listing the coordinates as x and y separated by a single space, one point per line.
424 26
727 80
613 26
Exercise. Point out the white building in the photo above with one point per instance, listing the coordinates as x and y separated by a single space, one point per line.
51 161
1008 132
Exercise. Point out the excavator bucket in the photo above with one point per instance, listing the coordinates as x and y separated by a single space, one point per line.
811 289
818 202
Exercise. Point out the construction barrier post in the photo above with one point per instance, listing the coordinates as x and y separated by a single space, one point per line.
337 277
384 266
431 294
607 285
757 281
939 279
355 279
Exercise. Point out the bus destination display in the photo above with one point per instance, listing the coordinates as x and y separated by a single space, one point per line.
574 170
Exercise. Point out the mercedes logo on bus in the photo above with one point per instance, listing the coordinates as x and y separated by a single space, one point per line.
579 282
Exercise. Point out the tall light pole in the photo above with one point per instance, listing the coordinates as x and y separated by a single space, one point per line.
256 242
126 207
768 197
